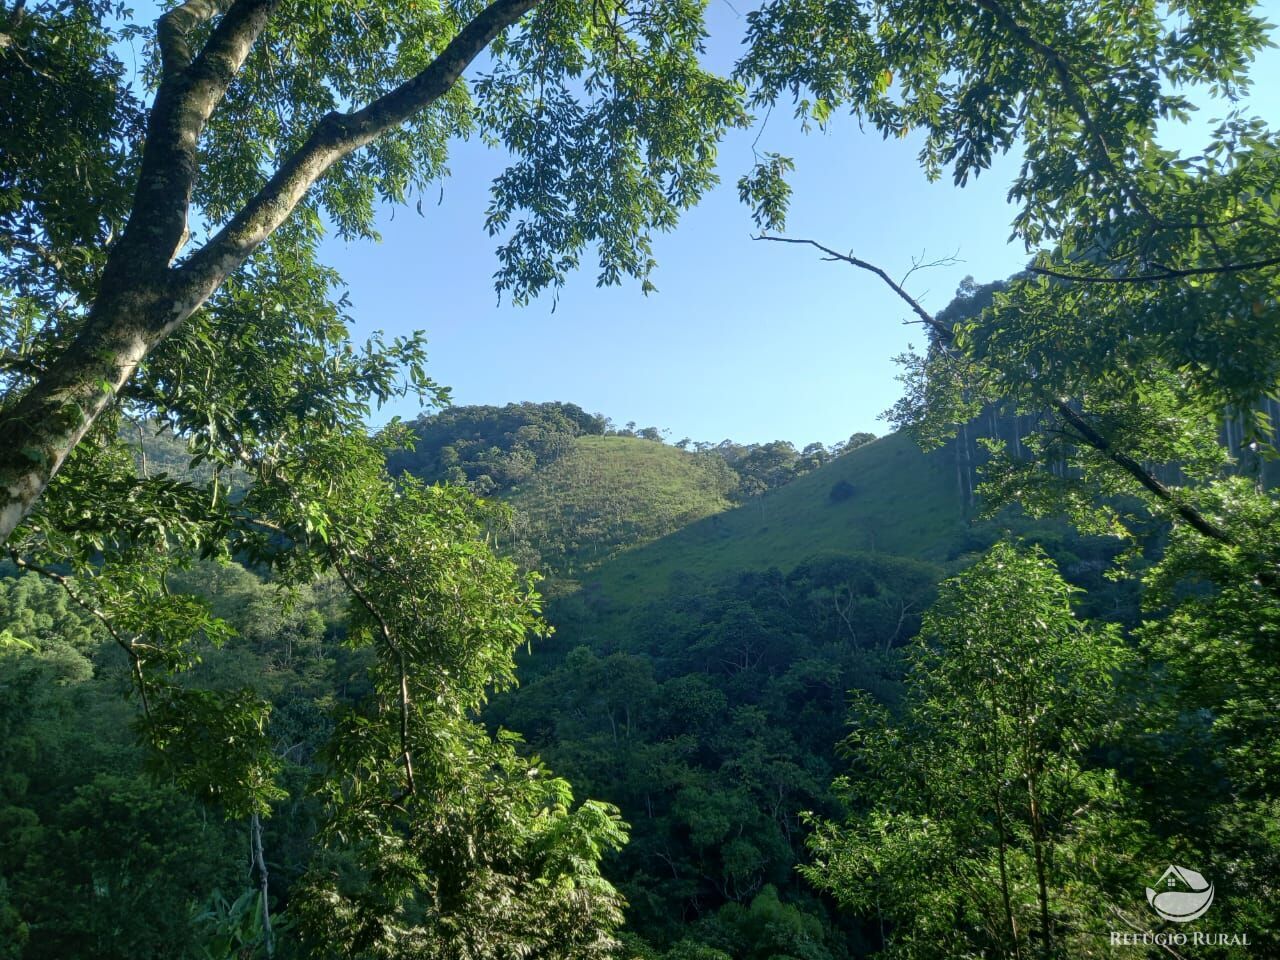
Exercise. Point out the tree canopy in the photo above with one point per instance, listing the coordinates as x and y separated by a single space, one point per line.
158 241
159 270
1140 342
266 120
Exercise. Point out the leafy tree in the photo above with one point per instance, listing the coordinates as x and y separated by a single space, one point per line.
1127 326
493 448
856 440
98 859
1141 338
420 819
439 832
977 814
611 121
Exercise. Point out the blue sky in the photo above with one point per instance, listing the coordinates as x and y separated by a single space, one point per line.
744 339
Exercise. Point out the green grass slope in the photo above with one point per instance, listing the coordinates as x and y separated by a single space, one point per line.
886 497
610 494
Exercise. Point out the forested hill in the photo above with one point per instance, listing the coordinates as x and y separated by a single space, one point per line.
585 491
713 605
621 511
706 640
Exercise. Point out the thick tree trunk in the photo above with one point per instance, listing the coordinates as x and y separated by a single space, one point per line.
43 427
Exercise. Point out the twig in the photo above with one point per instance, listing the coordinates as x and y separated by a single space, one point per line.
920 264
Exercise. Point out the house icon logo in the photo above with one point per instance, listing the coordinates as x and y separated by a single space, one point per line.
1181 895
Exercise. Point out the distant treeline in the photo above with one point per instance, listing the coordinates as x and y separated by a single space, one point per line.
494 449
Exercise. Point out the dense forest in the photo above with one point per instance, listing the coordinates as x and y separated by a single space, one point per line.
517 682
707 712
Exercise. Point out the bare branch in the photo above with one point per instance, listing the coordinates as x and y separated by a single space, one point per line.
925 316
919 263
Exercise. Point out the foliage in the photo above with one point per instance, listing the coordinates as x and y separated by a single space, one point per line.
708 715
166 273
485 858
227 930
977 814
98 859
1141 338
248 713
581 492
1081 87
492 449
444 835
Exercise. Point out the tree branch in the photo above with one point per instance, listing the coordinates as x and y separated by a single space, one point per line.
1071 90
1061 68
925 316
189 92
173 28
141 300
333 138
1165 273
1085 430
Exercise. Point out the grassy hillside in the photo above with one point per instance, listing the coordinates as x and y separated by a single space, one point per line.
886 497
609 494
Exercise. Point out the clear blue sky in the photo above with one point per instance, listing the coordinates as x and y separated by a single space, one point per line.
744 339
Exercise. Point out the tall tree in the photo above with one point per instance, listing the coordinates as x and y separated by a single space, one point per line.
122 217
